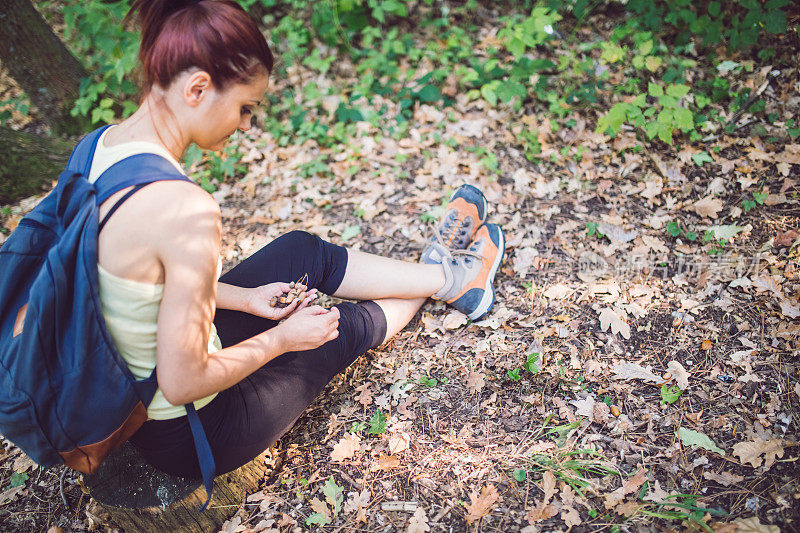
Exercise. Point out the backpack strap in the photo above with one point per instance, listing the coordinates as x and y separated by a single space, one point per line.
118 204
203 449
134 170
80 160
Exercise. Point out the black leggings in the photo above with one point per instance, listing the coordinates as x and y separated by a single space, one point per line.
244 420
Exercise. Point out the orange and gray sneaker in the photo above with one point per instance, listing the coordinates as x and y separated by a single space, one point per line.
469 274
462 217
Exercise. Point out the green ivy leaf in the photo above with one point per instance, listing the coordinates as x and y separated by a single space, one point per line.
513 374
509 89
652 63
696 439
520 474
673 228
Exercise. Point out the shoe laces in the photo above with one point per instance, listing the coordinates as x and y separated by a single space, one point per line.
452 227
465 257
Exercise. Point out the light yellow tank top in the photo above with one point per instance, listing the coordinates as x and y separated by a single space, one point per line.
131 307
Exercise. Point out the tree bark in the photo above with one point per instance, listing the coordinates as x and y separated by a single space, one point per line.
29 163
40 63
134 497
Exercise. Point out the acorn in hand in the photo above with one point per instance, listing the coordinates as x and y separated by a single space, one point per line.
295 293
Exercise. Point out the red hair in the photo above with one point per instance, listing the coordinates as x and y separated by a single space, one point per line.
216 36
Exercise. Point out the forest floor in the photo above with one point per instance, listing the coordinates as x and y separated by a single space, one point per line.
629 378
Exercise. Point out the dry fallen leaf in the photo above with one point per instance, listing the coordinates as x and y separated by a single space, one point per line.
358 503
418 523
584 407
475 381
631 484
557 292
706 345
570 516
609 317
541 512
626 370
385 462
318 506
399 442
723 478
680 374
481 504
707 207
454 320
753 525
346 448
751 451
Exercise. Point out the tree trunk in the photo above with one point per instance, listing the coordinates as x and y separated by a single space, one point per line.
136 498
40 63
29 163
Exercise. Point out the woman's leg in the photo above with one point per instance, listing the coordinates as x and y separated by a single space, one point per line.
247 418
370 277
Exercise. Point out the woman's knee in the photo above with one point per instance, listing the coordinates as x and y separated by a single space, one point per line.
299 240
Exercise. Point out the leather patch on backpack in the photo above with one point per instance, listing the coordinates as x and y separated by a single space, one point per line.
19 323
87 458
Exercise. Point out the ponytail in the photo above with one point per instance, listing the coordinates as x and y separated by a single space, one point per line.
216 36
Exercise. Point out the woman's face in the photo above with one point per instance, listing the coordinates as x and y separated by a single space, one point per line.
225 112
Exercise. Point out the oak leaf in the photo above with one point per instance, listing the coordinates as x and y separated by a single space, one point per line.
358 503
475 381
385 462
626 370
631 484
543 511
570 516
454 320
346 448
680 374
751 451
481 504
418 522
548 485
610 318
584 407
723 478
753 525
707 207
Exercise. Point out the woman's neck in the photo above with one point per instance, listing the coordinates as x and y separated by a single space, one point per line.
152 122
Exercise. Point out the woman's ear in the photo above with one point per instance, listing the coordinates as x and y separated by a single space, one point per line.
196 87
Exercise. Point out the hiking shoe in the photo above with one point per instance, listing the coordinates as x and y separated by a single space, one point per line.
462 217
469 274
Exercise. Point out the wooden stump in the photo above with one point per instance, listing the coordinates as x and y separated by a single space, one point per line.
134 497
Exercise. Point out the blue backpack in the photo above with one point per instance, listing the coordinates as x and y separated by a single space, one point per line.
66 394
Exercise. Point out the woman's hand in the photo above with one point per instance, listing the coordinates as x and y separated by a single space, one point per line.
309 328
257 300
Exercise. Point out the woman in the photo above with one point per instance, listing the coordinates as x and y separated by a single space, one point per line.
219 344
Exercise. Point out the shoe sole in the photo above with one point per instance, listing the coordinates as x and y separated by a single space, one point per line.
487 301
